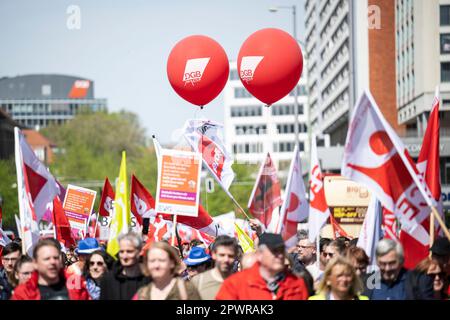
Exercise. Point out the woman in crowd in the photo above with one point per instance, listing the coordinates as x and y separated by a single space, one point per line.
22 270
97 264
432 268
339 282
161 265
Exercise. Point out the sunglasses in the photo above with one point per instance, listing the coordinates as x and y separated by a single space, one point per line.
98 263
328 254
440 274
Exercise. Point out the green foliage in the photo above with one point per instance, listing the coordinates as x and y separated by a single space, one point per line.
8 192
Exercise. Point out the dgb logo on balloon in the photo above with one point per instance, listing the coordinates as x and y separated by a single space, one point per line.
248 67
194 69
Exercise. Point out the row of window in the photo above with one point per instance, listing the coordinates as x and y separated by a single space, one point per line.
31 123
251 129
334 84
341 100
248 147
290 128
246 111
285 109
287 146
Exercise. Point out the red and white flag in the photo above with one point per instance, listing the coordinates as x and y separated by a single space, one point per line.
61 224
158 229
142 202
375 157
318 207
28 219
266 194
106 200
338 231
295 207
389 225
42 185
203 137
428 167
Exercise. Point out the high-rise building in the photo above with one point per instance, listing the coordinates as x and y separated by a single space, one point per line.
37 100
252 129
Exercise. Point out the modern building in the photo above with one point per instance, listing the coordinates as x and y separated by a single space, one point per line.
37 100
252 129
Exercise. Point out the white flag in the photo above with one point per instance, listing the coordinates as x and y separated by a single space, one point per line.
370 232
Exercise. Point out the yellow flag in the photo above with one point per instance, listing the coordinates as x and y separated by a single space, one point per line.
245 241
121 218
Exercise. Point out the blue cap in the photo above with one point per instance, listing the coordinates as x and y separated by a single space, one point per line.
87 246
196 256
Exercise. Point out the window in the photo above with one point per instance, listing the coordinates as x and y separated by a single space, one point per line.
445 15
445 43
234 75
241 93
445 71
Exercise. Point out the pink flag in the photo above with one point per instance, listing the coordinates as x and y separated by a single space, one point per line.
376 157
318 207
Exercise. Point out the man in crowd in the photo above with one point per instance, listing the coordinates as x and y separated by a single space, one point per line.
126 277
268 278
10 255
392 281
50 281
224 253
306 254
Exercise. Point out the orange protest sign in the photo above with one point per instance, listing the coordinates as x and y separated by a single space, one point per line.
178 182
78 204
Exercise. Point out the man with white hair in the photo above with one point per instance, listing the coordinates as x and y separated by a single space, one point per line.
392 281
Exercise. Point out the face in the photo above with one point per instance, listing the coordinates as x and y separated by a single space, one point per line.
438 277
128 253
389 265
329 253
272 260
306 250
340 279
360 268
224 259
159 264
10 260
25 271
195 270
444 261
48 263
97 266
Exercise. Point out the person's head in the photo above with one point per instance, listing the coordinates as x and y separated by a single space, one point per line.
333 249
390 257
305 249
197 261
161 261
97 263
130 245
224 253
323 244
340 279
11 253
440 251
344 240
47 260
271 253
248 260
23 269
434 269
359 259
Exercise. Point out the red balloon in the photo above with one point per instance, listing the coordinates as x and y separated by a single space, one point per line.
198 69
270 64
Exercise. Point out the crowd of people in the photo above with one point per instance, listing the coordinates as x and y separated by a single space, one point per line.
335 270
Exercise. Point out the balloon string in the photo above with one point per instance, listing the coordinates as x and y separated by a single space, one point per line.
197 112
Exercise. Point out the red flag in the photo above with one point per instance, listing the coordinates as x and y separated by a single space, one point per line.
389 225
142 202
428 167
266 194
106 200
61 223
337 229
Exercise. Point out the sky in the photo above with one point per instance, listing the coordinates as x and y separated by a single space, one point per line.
123 47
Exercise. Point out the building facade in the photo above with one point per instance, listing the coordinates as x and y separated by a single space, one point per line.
38 100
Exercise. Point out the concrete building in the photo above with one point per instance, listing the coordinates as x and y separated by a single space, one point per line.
252 130
37 100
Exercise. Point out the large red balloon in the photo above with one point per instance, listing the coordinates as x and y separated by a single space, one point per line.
270 64
198 69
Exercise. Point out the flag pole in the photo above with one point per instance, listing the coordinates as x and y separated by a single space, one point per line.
96 224
441 223
431 230
239 206
174 229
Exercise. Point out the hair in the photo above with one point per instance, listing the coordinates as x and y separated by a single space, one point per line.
302 234
324 242
10 248
424 265
358 254
353 242
195 242
133 237
385 246
48 242
173 256
225 241
106 257
340 246
22 260
356 286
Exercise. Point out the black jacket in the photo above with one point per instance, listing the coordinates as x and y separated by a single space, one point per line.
116 286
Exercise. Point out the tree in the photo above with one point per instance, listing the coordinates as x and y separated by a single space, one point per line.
8 192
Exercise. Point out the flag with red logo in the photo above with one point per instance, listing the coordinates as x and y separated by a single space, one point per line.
266 194
106 200
203 137
142 202
428 167
295 207
338 231
61 224
318 207
374 156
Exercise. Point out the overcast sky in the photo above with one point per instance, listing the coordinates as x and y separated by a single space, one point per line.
123 46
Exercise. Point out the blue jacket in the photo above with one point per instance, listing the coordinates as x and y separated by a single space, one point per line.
5 287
